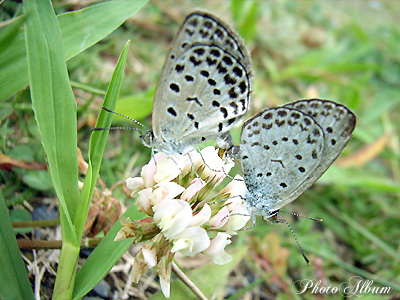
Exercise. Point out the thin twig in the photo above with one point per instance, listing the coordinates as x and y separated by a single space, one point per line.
42 244
182 276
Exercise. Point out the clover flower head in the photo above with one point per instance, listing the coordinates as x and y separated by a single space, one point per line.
185 213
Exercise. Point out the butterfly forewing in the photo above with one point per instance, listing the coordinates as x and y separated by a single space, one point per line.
279 149
205 85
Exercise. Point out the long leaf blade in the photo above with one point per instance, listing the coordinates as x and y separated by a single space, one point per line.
80 30
53 102
14 283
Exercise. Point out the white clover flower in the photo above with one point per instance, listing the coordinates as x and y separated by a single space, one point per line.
165 286
238 217
166 191
196 185
220 218
143 200
182 211
217 249
147 174
236 187
202 216
168 167
135 184
172 217
149 256
209 157
191 241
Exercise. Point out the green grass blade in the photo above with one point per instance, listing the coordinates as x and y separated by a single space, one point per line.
80 30
378 242
97 265
10 32
55 113
53 103
65 279
98 140
14 283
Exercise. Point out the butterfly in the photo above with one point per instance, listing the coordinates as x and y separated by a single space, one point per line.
204 88
284 150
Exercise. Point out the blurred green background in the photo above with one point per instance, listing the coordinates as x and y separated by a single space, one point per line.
346 51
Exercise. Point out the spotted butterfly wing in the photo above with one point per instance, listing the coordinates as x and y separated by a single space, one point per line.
337 122
205 85
279 149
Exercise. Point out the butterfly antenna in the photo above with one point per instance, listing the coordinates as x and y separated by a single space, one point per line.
117 128
129 118
300 216
295 238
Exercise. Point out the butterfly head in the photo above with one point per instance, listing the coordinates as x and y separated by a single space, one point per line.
272 217
147 139
168 147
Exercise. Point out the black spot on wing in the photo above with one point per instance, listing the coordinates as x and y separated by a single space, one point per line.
174 87
172 111
229 80
237 71
216 92
215 52
215 103
232 94
224 112
189 78
242 87
211 82
179 68
195 61
199 51
227 60
204 73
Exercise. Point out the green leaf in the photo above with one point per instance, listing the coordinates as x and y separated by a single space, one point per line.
80 30
98 139
359 178
9 33
38 180
135 106
108 252
14 282
54 104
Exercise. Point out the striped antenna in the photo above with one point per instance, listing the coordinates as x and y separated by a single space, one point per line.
295 238
122 128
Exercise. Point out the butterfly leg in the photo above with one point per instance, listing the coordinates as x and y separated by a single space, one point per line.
194 168
176 164
153 156
214 170
253 217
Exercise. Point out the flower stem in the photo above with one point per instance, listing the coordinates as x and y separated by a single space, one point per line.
182 276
